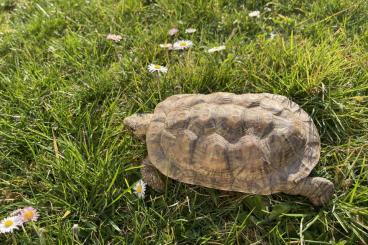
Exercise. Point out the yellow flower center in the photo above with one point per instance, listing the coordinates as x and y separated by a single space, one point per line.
28 215
157 66
8 223
182 44
359 98
139 189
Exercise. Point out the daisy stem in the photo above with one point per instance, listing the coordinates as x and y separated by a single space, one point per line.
13 238
26 233
158 85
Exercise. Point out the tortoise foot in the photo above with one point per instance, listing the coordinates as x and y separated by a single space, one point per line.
318 190
152 176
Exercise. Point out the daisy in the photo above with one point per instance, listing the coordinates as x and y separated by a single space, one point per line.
216 49
140 189
254 14
359 98
29 214
190 30
158 68
75 229
113 37
272 35
9 224
166 45
173 31
182 44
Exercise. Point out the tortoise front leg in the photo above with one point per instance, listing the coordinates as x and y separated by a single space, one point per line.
152 176
318 190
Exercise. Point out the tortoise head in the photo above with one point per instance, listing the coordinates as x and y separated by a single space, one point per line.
138 123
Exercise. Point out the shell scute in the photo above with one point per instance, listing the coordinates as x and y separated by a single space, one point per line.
211 153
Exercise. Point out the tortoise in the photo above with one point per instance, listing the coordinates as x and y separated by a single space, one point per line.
251 143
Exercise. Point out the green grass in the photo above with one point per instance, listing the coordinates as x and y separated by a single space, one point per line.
63 84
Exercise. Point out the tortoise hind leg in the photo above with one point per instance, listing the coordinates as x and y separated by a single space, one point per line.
152 176
318 190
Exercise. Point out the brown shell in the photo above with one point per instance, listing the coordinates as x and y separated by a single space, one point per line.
253 143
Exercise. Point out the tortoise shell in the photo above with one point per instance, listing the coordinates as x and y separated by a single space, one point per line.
252 143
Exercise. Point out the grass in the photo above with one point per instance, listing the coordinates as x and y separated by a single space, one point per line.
65 89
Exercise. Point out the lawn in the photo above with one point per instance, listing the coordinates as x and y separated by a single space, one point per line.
65 90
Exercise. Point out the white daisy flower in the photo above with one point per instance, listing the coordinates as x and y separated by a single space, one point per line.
216 49
190 30
255 13
29 214
113 37
272 35
75 229
140 189
182 44
173 31
166 45
9 224
158 68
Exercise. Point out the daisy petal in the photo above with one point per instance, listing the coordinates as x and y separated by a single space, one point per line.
16 212
216 49
113 37
166 45
173 31
158 68
190 30
255 13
